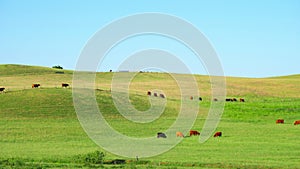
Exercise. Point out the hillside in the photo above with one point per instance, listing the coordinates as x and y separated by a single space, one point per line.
15 77
39 127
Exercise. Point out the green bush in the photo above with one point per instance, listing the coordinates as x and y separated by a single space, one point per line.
12 162
90 158
57 67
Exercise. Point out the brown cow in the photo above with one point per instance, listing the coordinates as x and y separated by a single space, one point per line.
297 122
149 93
35 85
279 121
179 134
155 94
218 134
191 97
162 95
65 85
194 133
242 100
215 99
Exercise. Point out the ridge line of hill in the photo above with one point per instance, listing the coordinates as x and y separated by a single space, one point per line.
16 69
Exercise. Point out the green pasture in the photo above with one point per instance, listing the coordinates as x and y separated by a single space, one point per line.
39 127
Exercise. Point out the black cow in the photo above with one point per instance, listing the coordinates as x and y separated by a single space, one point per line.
228 100
2 89
65 85
161 135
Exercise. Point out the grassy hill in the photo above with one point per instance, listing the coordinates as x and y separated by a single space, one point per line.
39 127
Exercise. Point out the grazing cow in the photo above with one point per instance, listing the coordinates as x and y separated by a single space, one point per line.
218 134
191 97
179 134
194 133
228 100
161 135
297 122
242 100
149 93
2 89
200 98
35 85
279 121
162 95
234 99
65 85
215 99
155 94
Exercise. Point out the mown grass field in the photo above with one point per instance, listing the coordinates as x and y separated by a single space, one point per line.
39 127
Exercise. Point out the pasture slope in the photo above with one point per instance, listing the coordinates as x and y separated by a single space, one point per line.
39 127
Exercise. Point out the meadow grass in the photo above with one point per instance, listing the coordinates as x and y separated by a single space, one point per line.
39 127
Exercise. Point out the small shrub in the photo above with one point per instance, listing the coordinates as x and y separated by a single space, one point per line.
57 67
90 158
12 162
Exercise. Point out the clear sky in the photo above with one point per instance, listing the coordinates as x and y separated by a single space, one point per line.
252 38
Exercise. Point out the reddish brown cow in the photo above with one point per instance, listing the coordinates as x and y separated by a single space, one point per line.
179 134
279 121
65 85
149 93
35 85
162 95
218 134
194 133
297 122
191 97
242 100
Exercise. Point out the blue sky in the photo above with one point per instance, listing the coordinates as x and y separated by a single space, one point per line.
252 38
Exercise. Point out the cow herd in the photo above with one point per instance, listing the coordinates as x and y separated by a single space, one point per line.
191 133
234 100
196 133
155 94
281 121
217 134
35 85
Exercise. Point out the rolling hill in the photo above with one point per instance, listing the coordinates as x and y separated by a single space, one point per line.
39 127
